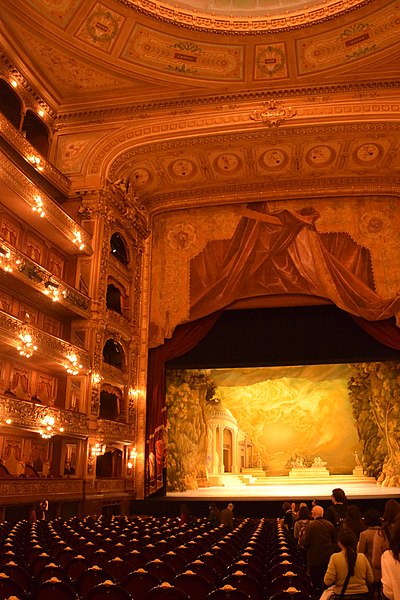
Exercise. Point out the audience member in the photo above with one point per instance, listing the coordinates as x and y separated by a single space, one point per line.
391 566
382 537
372 521
336 512
353 520
226 516
214 516
184 518
348 571
319 540
287 515
304 517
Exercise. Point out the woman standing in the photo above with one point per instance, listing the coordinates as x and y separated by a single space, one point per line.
391 567
348 571
382 538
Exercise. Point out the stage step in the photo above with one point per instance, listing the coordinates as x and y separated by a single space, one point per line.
332 479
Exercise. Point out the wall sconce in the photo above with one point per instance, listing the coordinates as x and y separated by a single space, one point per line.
96 379
133 454
51 289
14 83
5 259
77 240
133 393
73 367
38 207
27 347
36 161
98 449
49 428
4 420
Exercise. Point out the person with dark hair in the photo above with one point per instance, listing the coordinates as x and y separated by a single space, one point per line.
303 518
382 538
353 520
372 520
214 517
391 566
349 572
336 512
287 515
184 518
226 516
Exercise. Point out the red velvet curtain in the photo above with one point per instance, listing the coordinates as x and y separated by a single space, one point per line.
386 332
185 337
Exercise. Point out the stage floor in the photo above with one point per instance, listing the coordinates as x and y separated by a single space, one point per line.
291 491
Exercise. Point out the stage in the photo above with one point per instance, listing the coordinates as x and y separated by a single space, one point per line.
283 488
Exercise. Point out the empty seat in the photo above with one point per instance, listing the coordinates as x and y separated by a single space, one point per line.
139 583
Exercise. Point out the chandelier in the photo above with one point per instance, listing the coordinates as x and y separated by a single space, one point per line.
27 347
73 367
49 427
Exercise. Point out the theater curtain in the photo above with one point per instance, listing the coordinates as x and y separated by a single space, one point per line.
185 337
280 253
386 332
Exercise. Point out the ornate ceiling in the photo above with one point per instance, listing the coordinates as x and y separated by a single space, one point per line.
205 102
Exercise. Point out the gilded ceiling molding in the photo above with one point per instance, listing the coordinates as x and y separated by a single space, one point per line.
169 127
222 103
282 190
273 113
217 23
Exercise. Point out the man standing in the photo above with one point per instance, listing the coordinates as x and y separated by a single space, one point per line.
226 516
318 538
336 512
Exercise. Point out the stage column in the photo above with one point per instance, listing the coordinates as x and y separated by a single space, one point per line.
220 449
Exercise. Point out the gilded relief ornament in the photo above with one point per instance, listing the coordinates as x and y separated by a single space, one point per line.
273 113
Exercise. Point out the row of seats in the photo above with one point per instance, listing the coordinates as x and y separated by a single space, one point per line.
149 559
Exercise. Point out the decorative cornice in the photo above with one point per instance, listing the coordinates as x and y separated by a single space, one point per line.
48 346
29 416
315 188
55 215
113 432
143 111
32 156
17 490
219 24
30 96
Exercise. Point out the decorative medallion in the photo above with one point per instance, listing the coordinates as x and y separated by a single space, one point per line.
320 156
158 50
182 168
270 62
182 236
368 153
374 224
140 176
273 113
273 159
227 163
101 27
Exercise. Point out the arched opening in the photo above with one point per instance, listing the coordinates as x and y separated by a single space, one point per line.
227 451
113 298
109 464
36 132
110 403
113 354
10 104
118 248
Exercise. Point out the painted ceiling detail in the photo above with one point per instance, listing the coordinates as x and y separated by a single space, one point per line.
270 62
58 11
101 28
354 41
175 55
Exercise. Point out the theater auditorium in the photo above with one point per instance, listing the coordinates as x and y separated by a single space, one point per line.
199 278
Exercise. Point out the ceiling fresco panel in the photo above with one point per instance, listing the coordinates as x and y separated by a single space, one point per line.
179 56
355 41
101 27
59 12
270 62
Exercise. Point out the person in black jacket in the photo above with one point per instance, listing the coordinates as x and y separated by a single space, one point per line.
336 512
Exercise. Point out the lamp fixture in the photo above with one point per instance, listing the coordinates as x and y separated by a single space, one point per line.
4 420
6 259
98 449
14 83
96 378
48 427
27 347
133 454
51 289
38 206
77 240
73 367
36 161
